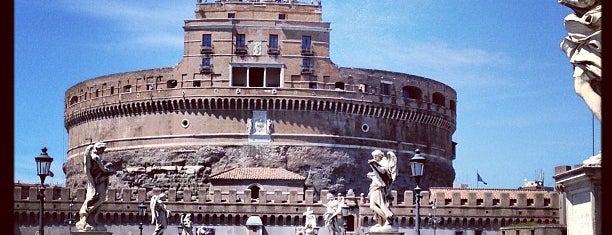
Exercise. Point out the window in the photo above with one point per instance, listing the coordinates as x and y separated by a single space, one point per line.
513 202
447 201
546 201
254 191
438 99
149 87
197 83
240 44
273 44
363 88
530 202
206 67
171 83
206 40
112 90
464 201
282 16
306 45
206 44
385 88
307 65
206 62
231 15
411 92
127 88
339 86
479 202
312 85
496 202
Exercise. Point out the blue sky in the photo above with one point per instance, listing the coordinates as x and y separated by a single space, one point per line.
517 113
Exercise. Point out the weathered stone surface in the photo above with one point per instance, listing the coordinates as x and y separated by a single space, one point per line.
335 169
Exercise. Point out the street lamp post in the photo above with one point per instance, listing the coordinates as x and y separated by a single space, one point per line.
70 215
141 212
417 163
180 228
433 219
345 212
43 164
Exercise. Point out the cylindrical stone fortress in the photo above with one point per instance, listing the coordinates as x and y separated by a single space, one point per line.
256 87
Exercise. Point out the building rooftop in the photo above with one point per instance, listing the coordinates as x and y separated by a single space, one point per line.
257 173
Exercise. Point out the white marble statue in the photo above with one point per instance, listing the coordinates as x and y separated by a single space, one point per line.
331 215
187 224
383 175
311 222
97 174
159 213
582 45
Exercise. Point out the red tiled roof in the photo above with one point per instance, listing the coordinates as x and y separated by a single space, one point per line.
257 173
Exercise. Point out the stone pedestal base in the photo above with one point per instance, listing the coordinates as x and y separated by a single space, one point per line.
581 198
90 233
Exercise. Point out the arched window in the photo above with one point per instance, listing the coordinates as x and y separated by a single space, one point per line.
452 105
412 92
438 99
254 190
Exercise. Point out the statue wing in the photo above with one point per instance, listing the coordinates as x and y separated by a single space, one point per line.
392 163
153 204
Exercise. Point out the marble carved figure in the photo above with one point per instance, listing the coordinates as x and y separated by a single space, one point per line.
187 224
159 213
333 209
97 174
311 222
383 175
583 47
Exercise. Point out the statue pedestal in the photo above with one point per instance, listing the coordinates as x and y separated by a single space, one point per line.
90 233
580 198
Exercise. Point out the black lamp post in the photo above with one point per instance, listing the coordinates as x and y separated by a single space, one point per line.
141 212
433 219
70 215
345 213
180 228
43 164
417 163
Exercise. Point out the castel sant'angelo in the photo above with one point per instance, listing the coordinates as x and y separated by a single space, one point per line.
256 87
256 122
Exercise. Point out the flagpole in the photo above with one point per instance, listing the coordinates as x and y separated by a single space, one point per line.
477 179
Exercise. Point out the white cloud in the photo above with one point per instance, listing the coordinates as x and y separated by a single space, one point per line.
146 24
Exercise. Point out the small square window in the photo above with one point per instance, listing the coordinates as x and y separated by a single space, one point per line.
464 202
197 83
479 202
496 202
512 202
231 15
282 16
312 85
149 87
